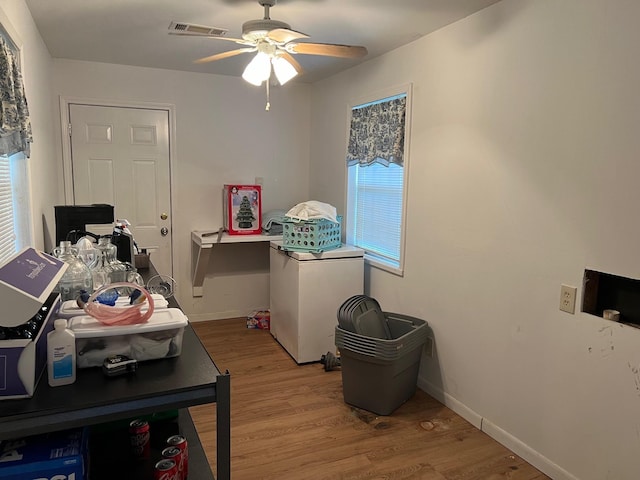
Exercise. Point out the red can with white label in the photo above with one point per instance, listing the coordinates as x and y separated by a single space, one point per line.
139 438
180 442
175 454
166 469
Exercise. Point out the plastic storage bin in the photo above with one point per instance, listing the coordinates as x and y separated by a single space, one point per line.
160 337
312 236
379 375
70 308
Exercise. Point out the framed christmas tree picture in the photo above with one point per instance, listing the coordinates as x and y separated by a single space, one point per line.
242 209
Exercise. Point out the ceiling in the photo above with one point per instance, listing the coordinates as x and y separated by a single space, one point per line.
135 32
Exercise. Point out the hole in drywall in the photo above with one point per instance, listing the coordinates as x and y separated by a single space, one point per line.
605 291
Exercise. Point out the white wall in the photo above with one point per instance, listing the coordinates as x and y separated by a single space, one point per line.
223 135
36 70
523 172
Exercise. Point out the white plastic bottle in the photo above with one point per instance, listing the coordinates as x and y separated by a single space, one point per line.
61 354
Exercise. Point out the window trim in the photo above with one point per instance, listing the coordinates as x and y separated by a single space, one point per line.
19 165
406 89
7 29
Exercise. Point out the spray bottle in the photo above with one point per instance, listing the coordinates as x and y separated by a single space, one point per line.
122 227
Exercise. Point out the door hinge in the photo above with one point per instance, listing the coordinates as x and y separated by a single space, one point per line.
69 127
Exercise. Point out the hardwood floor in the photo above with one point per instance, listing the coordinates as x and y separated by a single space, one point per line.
290 422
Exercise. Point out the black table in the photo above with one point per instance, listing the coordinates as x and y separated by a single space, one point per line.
158 385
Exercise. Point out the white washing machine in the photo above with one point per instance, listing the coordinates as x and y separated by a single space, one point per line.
306 290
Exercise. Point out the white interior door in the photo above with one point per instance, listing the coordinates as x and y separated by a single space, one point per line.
120 156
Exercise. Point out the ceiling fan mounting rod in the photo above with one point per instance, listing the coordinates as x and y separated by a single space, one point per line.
267 4
254 30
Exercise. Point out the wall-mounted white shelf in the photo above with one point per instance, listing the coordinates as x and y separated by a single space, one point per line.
202 243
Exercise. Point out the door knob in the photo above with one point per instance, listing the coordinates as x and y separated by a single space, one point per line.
164 216
164 231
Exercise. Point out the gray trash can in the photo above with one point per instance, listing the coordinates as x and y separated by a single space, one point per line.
379 375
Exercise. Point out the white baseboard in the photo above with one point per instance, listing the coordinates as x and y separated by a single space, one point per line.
523 450
447 400
201 317
503 437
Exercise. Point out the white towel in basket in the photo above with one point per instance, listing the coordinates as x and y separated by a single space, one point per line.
312 210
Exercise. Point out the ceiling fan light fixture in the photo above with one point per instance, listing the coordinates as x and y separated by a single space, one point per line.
283 69
276 45
258 70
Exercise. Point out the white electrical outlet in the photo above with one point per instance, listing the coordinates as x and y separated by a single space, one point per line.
568 298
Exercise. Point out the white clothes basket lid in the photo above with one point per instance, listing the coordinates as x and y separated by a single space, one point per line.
85 326
70 308
345 251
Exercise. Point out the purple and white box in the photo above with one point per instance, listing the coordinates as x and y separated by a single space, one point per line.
26 284
26 281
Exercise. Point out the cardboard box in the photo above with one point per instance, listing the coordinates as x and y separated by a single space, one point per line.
242 209
57 455
22 361
260 320
26 281
141 260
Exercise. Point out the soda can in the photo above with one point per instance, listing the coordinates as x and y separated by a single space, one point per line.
181 442
175 454
139 438
166 469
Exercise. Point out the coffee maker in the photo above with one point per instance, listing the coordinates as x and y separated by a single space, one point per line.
72 220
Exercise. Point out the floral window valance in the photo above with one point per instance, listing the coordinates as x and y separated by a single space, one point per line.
15 127
377 133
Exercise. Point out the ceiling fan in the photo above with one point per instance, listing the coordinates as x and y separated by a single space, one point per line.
275 42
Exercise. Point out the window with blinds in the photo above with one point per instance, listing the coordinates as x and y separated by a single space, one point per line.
376 185
15 206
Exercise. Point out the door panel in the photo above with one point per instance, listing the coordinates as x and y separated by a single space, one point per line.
145 177
120 156
100 181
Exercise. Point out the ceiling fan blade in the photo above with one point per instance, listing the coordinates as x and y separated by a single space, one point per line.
294 63
241 41
343 51
220 56
284 35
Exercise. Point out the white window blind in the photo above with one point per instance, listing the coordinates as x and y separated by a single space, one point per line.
376 208
7 235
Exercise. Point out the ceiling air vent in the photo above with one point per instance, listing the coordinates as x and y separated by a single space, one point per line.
191 29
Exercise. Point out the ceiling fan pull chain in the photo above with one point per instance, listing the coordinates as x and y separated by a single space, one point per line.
268 106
